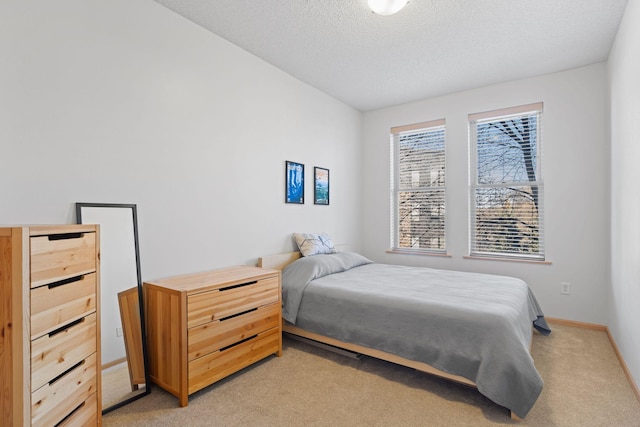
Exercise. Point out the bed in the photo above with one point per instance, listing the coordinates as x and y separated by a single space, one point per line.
472 328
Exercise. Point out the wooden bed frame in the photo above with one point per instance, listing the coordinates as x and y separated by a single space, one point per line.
280 261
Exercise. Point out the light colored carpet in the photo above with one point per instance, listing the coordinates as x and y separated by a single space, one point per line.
116 385
584 386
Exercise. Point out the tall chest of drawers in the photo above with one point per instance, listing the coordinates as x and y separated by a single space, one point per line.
203 327
49 318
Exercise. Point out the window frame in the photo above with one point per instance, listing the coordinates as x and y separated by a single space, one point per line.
494 116
396 132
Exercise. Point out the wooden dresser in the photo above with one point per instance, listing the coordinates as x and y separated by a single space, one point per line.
203 327
49 315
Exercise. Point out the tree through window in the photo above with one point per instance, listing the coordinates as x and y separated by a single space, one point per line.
506 183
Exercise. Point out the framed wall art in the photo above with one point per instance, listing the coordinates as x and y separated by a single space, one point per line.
320 186
294 186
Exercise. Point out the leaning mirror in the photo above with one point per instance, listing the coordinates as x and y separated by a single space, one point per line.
124 374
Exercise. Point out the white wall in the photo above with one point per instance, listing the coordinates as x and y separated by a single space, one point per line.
576 177
127 102
624 69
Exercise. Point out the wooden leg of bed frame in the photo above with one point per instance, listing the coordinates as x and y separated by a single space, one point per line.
514 417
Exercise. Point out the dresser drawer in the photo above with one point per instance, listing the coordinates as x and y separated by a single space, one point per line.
54 353
85 414
57 304
219 364
52 402
60 256
226 301
221 333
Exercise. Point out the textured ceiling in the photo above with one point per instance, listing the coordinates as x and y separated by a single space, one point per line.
430 48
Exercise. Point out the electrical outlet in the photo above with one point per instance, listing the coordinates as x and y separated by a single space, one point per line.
565 288
118 332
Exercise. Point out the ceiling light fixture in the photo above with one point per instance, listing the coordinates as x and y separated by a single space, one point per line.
387 7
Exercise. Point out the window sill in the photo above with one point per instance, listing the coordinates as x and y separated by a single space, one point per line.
420 253
527 261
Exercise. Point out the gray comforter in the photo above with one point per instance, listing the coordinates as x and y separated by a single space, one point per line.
477 326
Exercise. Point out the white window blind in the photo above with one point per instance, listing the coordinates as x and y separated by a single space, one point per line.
506 188
418 187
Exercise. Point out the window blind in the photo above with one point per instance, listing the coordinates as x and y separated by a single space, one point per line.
418 187
506 188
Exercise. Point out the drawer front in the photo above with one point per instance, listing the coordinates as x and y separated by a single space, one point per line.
57 304
52 402
221 333
61 256
85 414
224 302
219 364
56 352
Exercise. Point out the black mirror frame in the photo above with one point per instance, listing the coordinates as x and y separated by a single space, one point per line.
133 208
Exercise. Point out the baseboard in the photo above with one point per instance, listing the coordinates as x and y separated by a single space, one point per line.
114 363
625 368
603 328
582 325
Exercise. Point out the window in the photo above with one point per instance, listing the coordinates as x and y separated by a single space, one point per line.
506 188
418 187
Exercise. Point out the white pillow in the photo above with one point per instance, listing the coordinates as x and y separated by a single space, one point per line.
314 244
